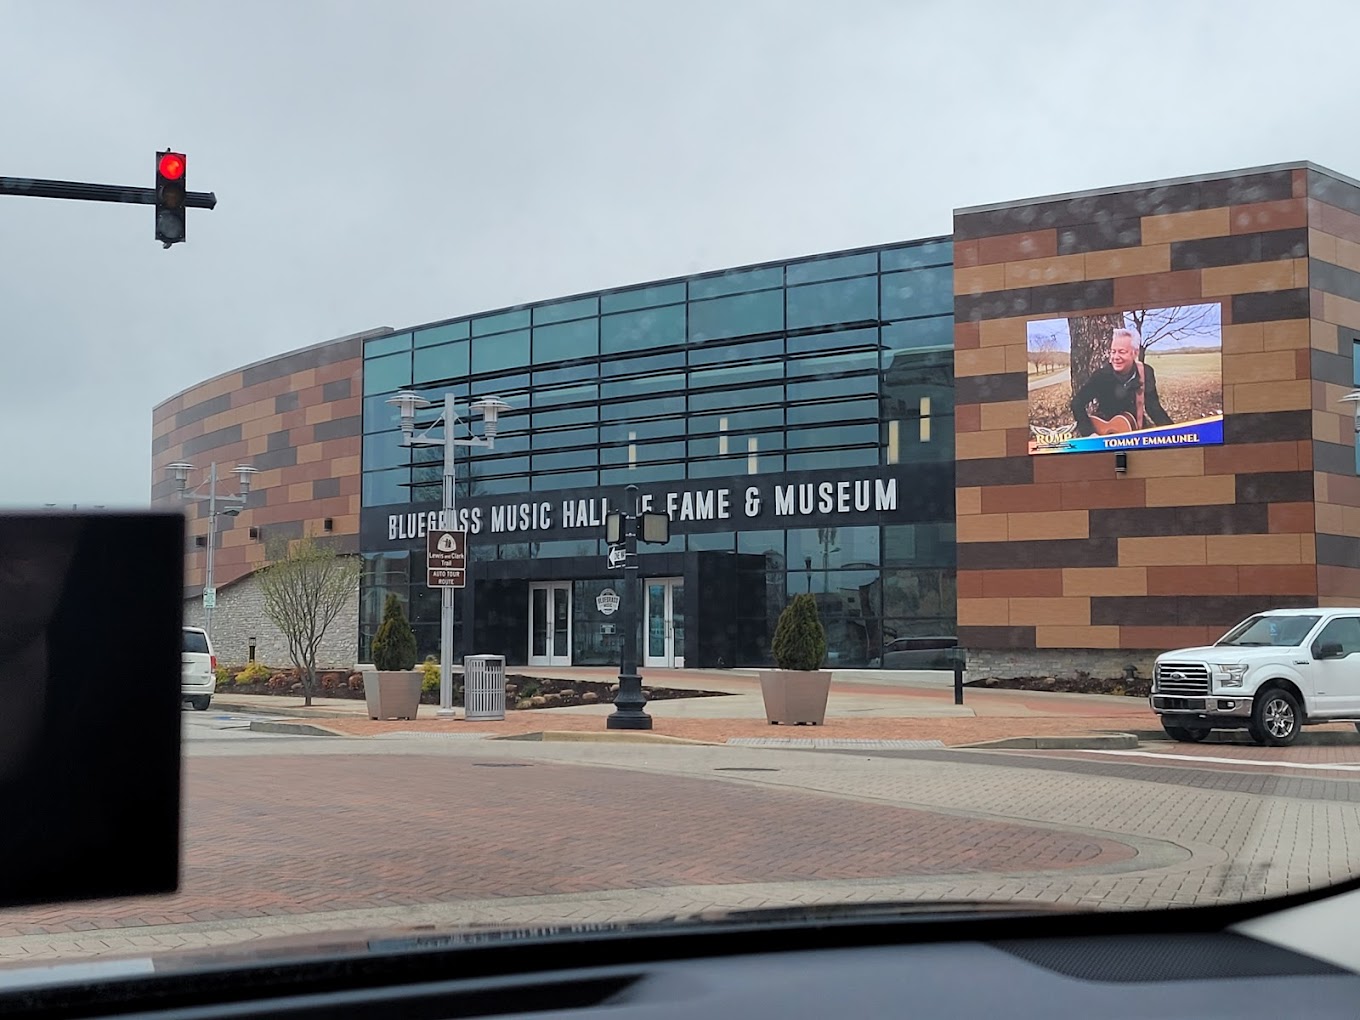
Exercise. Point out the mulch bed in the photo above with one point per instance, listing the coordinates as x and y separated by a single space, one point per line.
522 692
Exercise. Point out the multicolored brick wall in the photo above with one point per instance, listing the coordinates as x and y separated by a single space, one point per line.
1063 551
1334 298
297 420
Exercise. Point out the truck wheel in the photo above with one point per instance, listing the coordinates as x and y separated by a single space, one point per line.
1186 734
1275 718
201 702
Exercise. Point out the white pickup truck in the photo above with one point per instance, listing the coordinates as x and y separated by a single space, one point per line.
1272 674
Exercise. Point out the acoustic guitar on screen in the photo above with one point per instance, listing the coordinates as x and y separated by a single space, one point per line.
1112 425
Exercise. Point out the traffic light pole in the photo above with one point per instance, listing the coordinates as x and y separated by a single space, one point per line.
30 187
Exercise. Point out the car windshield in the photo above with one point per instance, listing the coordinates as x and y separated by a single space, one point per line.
1264 631
638 461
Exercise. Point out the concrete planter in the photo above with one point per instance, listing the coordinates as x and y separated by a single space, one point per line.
392 695
795 697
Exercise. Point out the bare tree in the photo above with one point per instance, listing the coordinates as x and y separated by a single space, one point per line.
1043 352
1180 323
1091 344
305 586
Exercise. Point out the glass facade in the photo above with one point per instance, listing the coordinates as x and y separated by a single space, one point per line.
823 386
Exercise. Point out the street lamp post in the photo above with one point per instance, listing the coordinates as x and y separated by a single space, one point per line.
407 403
231 506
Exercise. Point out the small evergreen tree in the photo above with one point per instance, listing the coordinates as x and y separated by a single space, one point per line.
394 646
800 638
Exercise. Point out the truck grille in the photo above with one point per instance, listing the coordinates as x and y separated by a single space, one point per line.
1182 678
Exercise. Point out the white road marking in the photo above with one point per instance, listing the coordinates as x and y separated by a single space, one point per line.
1308 766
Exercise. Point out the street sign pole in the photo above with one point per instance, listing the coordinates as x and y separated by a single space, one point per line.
629 713
446 710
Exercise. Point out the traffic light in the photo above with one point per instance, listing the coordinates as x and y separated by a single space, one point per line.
170 197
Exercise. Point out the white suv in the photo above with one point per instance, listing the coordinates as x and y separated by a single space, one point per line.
198 669
1272 674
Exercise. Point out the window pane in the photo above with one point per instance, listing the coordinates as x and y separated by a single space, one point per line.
654 407
832 459
919 292
563 311
839 340
379 414
387 345
497 353
834 548
643 473
766 417
638 366
381 487
716 399
918 545
824 304
565 547
908 593
667 450
442 334
384 450
847 386
566 395
565 437
769 544
833 268
447 361
566 459
565 416
832 435
852 587
835 411
643 297
935 334
932 253
737 374
383 375
566 374
736 466
674 383
713 354
566 480
741 315
737 444
501 466
663 428
501 323
736 282
506 443
720 541
833 364
566 340
638 331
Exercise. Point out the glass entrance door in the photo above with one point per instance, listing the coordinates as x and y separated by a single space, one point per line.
550 623
664 627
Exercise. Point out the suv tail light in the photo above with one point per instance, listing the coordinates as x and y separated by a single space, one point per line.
212 659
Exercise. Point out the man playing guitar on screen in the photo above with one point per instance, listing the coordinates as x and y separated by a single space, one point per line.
1124 392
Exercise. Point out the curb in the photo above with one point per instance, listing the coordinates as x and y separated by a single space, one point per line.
1086 742
1324 738
227 705
294 728
607 737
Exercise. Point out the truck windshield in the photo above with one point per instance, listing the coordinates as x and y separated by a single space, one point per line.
1266 631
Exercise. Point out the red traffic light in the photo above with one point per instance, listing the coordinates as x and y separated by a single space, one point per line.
171 166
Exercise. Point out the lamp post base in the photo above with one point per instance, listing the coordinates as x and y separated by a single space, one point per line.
446 713
629 713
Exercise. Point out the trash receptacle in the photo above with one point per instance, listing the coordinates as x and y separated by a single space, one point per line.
484 687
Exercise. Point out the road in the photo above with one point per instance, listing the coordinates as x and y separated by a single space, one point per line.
290 835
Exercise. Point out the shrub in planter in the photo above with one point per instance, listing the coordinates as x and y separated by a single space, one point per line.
255 673
394 646
430 679
799 637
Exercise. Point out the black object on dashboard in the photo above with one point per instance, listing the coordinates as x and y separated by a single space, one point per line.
90 635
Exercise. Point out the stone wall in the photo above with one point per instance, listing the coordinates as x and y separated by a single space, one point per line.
1065 663
240 615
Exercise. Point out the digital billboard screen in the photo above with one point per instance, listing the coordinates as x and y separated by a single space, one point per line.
1146 378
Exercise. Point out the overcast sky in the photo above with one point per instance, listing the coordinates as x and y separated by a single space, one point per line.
390 163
